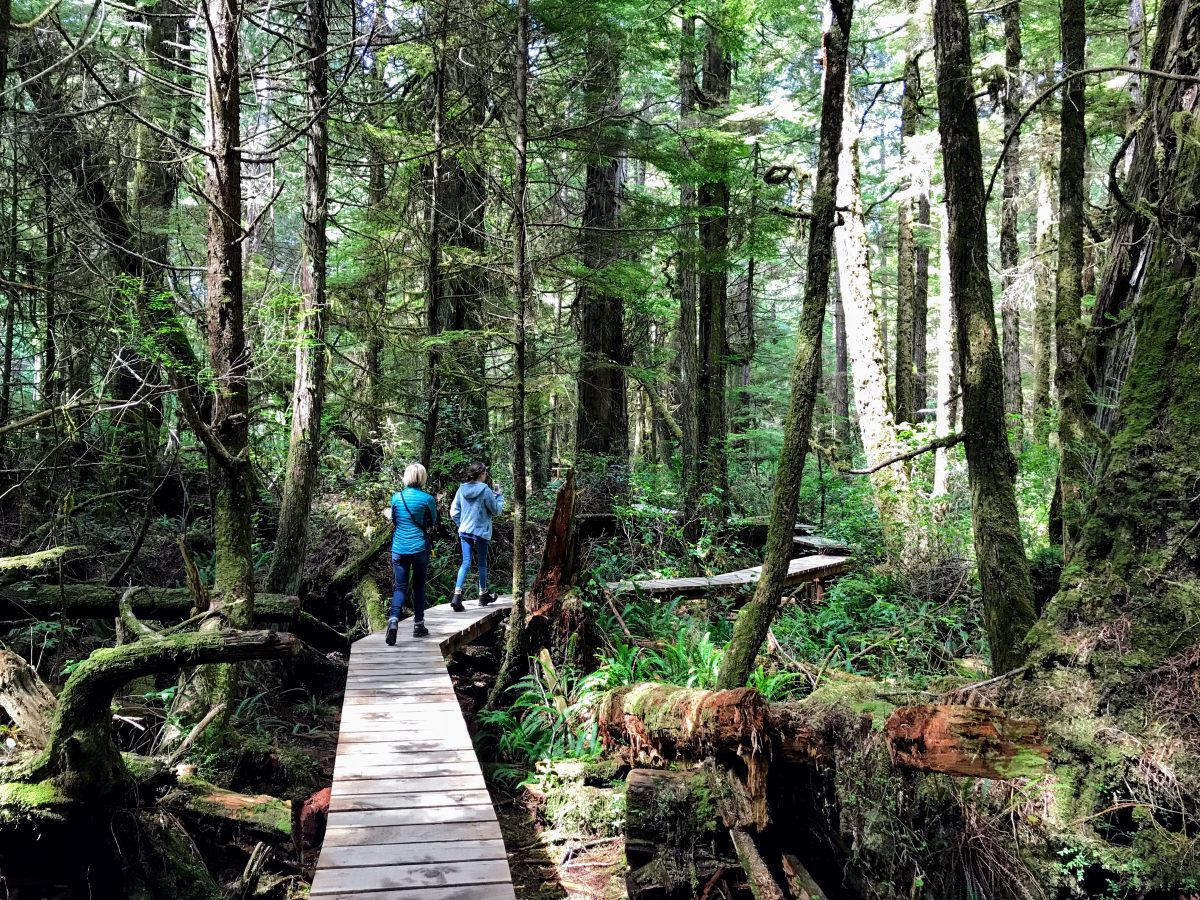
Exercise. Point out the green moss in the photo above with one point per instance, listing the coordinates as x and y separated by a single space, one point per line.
25 798
372 604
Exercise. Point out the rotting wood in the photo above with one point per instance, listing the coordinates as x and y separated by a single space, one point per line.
664 723
966 740
26 699
800 880
258 813
762 883
558 570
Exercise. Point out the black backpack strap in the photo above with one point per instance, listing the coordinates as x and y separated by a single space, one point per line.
424 529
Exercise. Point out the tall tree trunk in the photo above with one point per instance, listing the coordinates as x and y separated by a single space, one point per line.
308 392
433 273
921 300
228 431
514 641
947 367
1128 596
369 455
602 418
1000 555
754 620
868 352
1043 296
1069 377
906 253
686 280
1009 260
712 420
841 380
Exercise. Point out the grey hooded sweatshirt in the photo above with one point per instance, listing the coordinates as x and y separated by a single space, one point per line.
473 508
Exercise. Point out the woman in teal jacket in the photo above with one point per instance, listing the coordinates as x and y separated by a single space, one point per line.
414 514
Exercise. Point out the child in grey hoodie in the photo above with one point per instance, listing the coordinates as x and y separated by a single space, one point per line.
474 506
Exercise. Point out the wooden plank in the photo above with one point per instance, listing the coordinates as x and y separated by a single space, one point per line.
417 833
450 892
800 570
402 743
451 850
378 878
379 822
353 769
404 783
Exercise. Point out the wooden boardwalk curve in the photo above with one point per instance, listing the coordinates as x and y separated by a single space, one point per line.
410 817
805 568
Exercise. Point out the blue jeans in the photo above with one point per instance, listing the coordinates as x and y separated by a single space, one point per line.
476 547
403 565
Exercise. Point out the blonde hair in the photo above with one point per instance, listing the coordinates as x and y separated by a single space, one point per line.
415 475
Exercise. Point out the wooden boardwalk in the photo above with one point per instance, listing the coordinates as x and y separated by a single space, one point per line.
410 817
805 568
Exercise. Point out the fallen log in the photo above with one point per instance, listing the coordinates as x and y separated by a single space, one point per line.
259 814
26 699
672 839
81 756
966 740
97 601
661 723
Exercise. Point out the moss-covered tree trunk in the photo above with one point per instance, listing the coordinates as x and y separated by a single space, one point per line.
1000 555
1009 250
1068 317
755 618
308 392
1117 655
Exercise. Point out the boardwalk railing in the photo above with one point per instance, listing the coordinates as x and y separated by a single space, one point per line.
410 817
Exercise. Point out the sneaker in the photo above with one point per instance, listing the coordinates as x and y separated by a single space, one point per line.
393 627
456 604
419 630
486 597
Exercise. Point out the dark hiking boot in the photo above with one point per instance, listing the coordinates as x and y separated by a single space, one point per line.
456 604
486 597
393 627
419 630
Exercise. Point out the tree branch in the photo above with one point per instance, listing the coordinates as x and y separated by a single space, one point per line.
941 443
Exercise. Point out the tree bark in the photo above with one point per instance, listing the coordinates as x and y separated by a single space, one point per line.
1069 378
921 301
1009 254
841 380
229 356
686 280
26 699
308 392
754 620
906 254
712 421
602 419
947 381
1000 555
514 639
1043 294
868 352
1127 600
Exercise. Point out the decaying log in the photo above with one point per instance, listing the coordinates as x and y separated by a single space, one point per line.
81 756
26 699
97 601
353 571
258 814
966 740
661 723
558 571
803 886
29 562
762 883
672 839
